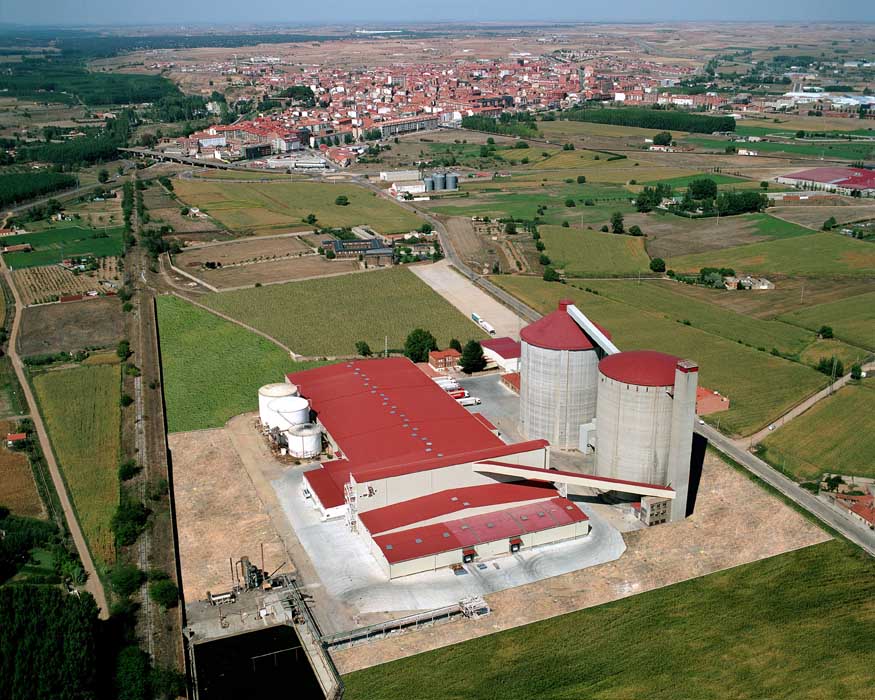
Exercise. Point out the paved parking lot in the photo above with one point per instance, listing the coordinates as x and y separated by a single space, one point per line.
500 405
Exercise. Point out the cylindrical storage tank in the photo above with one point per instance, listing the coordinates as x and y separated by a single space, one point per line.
633 430
452 181
558 379
304 440
290 410
429 184
269 393
440 181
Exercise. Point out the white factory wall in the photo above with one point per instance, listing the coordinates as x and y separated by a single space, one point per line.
506 365
395 489
633 431
557 393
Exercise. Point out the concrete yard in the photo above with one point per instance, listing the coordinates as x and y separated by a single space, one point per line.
732 513
468 298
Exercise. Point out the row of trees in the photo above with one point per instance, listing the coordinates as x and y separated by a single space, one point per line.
651 119
420 342
19 187
506 125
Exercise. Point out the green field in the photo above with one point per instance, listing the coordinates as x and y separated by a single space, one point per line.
852 319
523 203
847 150
327 316
818 255
213 368
83 417
835 435
799 625
592 253
65 240
766 225
266 207
760 386
684 182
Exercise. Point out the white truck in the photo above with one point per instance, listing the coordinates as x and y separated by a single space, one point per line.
483 323
469 401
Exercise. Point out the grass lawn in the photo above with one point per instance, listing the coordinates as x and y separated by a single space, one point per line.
269 206
835 435
581 252
760 386
798 625
328 316
213 368
83 417
852 319
52 245
765 225
818 255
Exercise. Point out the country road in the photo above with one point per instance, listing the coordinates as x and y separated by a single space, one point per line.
93 585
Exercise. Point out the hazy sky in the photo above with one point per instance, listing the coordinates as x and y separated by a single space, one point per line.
80 12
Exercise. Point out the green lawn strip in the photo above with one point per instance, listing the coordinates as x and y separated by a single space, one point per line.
328 316
213 368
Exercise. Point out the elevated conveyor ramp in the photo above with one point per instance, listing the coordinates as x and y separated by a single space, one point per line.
573 479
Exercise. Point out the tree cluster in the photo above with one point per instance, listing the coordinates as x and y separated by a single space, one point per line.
649 118
19 187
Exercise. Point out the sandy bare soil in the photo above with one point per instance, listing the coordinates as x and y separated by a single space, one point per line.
273 271
71 326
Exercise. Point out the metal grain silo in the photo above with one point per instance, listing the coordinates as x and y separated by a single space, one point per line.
429 184
452 181
267 394
634 425
440 181
558 379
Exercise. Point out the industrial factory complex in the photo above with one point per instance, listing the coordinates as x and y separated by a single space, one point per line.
425 484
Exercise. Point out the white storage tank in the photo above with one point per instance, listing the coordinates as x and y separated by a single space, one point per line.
558 378
269 393
304 440
633 430
290 410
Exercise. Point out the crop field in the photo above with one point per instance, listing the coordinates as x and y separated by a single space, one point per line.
11 396
814 216
76 325
580 252
40 285
249 250
280 206
762 630
682 183
568 130
831 150
213 368
818 255
852 319
17 488
662 297
327 316
52 245
83 418
835 435
225 175
733 369
274 271
669 235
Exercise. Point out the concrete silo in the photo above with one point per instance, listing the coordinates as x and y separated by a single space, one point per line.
558 378
646 414
267 394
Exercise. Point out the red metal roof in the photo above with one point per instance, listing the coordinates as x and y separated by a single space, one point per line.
854 178
508 348
479 529
546 474
558 331
640 367
452 501
389 419
483 419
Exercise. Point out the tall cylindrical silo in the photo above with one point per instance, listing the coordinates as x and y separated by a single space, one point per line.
440 181
633 430
267 394
452 181
429 184
290 410
558 379
304 440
